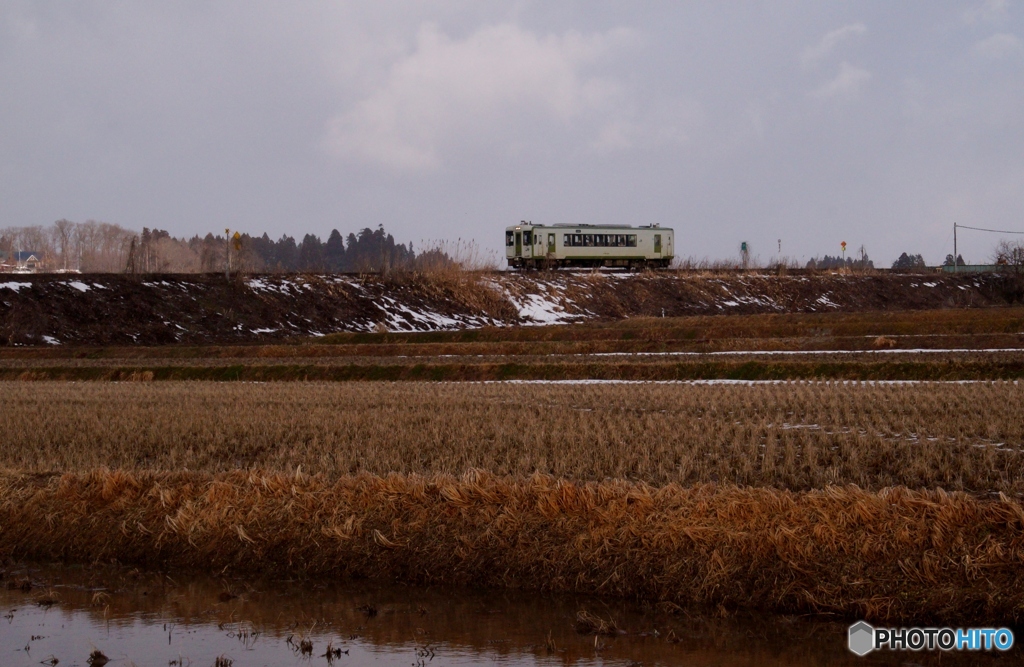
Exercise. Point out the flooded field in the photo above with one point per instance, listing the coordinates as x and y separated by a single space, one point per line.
64 615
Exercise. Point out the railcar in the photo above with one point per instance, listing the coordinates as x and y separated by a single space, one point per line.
530 246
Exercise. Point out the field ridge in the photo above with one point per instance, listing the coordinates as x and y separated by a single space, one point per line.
893 555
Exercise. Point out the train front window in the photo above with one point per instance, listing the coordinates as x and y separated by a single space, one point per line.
527 238
510 239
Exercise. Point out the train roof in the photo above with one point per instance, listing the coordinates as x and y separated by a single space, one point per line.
565 225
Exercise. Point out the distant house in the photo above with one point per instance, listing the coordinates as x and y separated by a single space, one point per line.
28 260
5 262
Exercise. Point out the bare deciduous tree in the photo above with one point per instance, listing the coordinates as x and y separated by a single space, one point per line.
1010 253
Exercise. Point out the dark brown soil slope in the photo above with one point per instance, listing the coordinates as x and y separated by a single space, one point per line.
110 309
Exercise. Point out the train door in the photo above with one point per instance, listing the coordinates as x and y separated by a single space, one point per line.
519 244
657 244
551 244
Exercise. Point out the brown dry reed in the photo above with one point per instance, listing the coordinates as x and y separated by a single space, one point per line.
889 556
796 436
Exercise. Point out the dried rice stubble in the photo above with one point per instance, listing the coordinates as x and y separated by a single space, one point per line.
893 555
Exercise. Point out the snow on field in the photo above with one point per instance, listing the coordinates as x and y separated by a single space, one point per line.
549 305
264 285
539 310
396 316
80 286
15 286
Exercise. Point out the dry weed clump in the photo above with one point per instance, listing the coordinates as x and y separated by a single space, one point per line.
796 436
892 555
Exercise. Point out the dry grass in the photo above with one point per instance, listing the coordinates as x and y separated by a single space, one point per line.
892 555
793 436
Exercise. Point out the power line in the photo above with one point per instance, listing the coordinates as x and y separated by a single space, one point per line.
980 229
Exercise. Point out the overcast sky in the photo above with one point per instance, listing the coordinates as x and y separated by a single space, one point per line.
877 123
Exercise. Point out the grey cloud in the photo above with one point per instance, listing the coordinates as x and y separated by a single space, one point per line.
456 91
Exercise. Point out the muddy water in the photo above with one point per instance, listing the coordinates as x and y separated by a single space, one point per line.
56 615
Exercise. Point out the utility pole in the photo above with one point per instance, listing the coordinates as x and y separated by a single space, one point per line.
954 248
227 254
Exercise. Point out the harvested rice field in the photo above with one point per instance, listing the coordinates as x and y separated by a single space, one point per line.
884 501
842 466
792 435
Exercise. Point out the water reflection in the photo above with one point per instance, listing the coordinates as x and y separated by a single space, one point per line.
55 613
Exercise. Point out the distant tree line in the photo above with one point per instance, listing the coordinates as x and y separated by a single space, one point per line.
371 250
950 261
105 247
907 262
861 263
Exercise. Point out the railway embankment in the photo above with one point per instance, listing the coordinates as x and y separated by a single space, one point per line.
112 309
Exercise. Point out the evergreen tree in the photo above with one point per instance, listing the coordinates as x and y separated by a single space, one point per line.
311 254
334 252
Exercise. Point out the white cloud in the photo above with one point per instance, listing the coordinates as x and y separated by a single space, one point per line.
999 46
482 90
829 42
990 10
847 84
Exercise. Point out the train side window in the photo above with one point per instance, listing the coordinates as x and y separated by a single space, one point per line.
588 240
631 240
567 240
510 239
